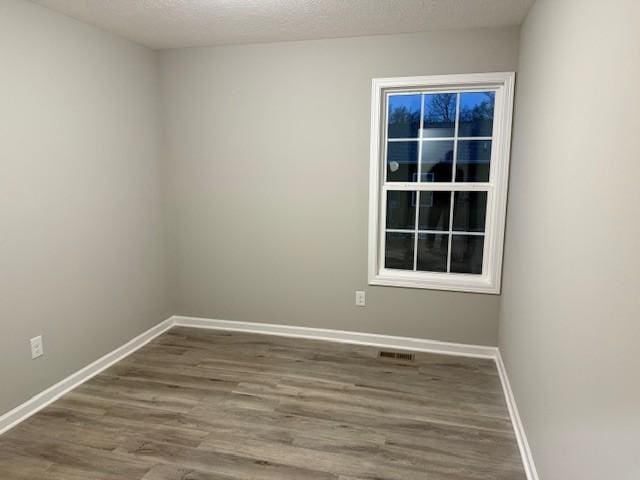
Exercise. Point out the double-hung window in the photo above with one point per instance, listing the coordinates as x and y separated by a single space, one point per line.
439 170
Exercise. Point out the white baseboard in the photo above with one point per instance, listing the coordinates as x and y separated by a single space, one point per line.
41 400
384 341
516 421
358 338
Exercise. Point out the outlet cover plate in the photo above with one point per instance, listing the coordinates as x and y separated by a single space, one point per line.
37 348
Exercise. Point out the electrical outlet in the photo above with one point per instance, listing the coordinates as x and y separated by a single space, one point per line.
360 299
37 349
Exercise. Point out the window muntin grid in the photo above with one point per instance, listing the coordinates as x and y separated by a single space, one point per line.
437 138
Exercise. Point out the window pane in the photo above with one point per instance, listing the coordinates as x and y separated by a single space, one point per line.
469 211
466 253
432 252
399 250
402 161
439 115
401 210
476 114
404 116
434 210
437 161
474 158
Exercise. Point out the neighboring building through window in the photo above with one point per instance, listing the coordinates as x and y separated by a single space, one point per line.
439 167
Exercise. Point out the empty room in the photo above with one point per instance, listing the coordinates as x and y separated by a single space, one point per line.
319 240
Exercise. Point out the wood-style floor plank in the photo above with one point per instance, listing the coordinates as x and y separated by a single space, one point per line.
212 405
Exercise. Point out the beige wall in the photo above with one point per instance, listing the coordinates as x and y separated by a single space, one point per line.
570 316
268 160
81 250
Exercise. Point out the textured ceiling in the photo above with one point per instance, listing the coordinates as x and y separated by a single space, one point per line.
184 23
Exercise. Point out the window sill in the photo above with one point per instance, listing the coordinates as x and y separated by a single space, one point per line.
435 281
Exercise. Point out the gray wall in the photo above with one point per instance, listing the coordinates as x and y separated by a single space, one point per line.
81 250
570 315
267 178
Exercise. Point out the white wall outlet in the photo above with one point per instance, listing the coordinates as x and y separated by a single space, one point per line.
360 298
37 349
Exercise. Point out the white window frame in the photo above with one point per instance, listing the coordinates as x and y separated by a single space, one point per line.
489 281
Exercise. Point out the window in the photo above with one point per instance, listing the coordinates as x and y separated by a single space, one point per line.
438 192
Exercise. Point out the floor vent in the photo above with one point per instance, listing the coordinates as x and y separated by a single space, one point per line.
398 355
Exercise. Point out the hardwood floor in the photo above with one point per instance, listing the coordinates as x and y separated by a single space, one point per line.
212 405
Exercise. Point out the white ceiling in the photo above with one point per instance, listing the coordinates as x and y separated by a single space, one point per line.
185 23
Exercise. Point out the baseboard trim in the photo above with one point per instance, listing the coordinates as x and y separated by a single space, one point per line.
385 341
41 400
516 421
357 338
51 394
